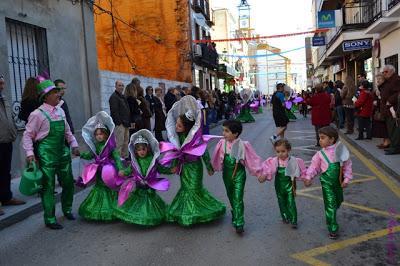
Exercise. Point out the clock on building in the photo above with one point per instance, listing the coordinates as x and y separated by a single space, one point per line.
244 22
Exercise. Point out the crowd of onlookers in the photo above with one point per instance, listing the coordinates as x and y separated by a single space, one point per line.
375 108
133 108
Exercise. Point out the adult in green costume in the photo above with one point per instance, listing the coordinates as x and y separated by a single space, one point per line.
48 130
232 156
98 134
193 203
143 206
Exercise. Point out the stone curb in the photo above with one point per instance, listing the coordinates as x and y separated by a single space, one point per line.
370 156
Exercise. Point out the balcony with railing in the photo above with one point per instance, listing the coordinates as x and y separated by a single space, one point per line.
206 55
389 15
355 17
392 4
202 6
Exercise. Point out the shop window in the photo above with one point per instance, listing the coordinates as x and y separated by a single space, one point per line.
394 61
27 57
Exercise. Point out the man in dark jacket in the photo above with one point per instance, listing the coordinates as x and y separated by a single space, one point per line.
169 99
120 114
391 89
8 133
61 85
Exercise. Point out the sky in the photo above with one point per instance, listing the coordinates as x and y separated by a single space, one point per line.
269 17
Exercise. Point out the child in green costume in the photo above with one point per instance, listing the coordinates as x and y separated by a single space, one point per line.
233 155
333 164
101 201
286 169
138 201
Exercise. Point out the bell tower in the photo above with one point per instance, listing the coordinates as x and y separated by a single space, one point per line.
244 17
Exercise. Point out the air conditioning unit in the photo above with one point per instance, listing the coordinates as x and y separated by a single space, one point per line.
197 50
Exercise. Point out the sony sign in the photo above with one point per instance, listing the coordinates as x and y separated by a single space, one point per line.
355 45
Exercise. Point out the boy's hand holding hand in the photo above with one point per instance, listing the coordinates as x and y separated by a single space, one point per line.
307 183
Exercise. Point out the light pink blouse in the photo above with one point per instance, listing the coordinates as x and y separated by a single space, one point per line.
320 165
270 167
38 127
252 161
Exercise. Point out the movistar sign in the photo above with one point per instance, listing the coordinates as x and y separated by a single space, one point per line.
326 19
357 45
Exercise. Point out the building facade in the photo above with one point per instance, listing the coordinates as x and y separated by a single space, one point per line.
365 38
225 27
49 36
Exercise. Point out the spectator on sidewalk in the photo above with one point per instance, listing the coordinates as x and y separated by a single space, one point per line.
8 134
389 105
185 91
339 111
159 114
321 115
379 129
364 105
150 98
61 85
119 109
347 94
135 118
30 99
144 109
169 99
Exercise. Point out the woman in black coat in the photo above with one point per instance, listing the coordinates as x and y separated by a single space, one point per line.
135 113
159 114
144 108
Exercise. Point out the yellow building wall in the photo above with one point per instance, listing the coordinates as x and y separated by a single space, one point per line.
156 39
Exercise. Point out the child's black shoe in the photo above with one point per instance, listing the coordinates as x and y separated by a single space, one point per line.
239 230
333 236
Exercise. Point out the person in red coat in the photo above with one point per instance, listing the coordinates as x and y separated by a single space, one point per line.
364 105
321 114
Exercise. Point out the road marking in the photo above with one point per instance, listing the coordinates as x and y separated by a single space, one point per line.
352 205
391 184
308 256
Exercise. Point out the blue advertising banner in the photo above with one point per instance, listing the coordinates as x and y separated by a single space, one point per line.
318 41
355 45
326 19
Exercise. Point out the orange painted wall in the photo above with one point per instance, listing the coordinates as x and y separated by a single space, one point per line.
165 55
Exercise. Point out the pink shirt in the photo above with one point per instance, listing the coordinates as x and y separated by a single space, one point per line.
38 127
270 167
320 165
252 161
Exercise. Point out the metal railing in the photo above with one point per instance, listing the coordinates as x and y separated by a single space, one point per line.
392 3
202 6
356 16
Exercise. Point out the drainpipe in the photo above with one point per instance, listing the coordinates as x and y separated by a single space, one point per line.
86 57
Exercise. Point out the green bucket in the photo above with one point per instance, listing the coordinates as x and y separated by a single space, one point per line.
31 180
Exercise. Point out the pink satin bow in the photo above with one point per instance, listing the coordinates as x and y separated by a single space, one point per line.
152 180
189 152
108 173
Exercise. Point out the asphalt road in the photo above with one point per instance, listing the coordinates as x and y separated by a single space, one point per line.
369 221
